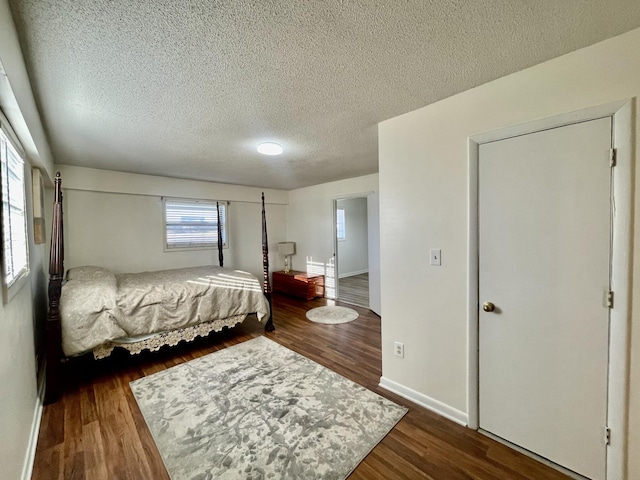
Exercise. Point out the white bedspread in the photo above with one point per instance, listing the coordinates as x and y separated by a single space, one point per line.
98 307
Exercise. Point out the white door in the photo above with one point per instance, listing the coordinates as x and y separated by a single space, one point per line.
373 224
544 241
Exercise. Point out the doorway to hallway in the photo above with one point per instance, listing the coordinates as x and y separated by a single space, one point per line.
352 250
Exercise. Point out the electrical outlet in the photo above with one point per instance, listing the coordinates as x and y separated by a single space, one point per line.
398 349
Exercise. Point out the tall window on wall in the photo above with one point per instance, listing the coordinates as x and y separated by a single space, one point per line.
15 248
193 224
341 226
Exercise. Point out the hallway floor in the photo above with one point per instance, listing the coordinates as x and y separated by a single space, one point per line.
354 290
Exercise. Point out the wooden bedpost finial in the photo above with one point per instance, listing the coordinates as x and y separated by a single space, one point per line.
57 185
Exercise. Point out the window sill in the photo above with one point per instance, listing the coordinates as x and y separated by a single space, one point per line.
8 293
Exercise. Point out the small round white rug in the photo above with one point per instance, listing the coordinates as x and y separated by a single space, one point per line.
332 315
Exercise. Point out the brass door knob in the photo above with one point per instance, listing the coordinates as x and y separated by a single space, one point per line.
488 307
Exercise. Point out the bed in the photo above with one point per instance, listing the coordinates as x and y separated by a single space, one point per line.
95 311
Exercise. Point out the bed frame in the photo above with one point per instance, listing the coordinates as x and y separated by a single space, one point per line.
54 353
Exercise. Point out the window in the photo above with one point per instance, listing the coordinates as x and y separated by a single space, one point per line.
341 226
14 221
193 223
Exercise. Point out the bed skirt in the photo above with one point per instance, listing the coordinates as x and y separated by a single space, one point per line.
156 341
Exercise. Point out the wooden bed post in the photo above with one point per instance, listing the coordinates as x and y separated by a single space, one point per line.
266 286
56 272
220 255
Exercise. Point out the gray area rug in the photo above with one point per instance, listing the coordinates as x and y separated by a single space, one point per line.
332 315
258 410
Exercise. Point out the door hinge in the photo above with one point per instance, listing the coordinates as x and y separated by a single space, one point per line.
607 436
610 299
612 157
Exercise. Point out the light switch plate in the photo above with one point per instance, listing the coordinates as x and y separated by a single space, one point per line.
435 255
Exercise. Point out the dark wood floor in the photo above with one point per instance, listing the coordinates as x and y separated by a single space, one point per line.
96 430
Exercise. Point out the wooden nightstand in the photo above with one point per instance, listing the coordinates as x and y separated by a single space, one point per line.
299 284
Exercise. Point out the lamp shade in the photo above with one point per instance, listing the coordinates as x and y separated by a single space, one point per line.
287 248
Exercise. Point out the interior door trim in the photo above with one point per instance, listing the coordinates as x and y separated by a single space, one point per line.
623 137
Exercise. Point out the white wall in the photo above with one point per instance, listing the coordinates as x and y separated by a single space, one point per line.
353 251
19 403
424 198
310 217
18 395
115 220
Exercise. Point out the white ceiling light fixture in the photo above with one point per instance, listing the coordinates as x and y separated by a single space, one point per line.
270 148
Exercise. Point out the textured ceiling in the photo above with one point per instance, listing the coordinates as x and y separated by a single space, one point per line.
188 88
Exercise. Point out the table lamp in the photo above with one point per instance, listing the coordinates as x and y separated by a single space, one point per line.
286 249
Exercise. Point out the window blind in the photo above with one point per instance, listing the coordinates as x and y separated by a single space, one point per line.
14 227
193 224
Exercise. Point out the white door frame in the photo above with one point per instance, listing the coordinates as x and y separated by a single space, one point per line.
373 247
623 137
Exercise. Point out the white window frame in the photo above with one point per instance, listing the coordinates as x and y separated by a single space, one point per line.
205 246
341 224
8 141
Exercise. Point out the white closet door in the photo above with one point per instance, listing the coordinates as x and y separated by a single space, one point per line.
544 239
